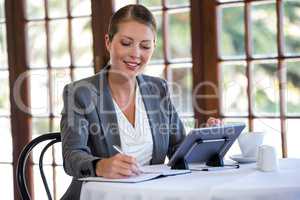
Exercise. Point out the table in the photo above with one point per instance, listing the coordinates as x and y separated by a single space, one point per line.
245 183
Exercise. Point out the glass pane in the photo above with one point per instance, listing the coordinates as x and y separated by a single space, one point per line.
264 29
58 154
3 47
39 190
180 35
59 78
293 88
234 89
57 8
80 7
82 41
155 70
265 89
188 123
271 128
293 138
56 124
62 181
233 32
228 0
121 3
180 85
80 73
35 9
39 94
37 44
158 51
41 126
292 26
6 140
59 42
6 181
235 149
229 120
151 3
4 93
2 11
178 2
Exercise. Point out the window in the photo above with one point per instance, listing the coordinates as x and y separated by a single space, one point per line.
258 61
172 57
253 61
59 46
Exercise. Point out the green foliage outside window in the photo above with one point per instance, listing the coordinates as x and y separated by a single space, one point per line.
264 40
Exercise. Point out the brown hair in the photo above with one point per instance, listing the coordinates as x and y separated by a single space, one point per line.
134 12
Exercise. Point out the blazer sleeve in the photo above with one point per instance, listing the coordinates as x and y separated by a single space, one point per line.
77 158
177 131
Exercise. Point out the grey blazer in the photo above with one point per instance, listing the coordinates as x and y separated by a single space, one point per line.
89 125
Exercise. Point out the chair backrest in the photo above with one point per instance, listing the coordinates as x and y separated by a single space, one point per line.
52 138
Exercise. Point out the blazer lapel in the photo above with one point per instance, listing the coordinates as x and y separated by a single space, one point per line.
152 103
106 112
108 118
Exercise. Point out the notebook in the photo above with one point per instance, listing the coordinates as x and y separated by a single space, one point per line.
148 173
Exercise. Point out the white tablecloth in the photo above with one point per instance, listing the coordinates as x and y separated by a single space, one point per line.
244 183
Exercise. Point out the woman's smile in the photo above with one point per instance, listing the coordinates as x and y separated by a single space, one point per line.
132 65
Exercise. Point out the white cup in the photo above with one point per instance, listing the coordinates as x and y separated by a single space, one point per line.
267 158
249 143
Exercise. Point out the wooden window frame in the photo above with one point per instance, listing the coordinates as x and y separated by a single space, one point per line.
206 27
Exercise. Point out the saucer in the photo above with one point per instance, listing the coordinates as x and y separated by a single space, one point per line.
241 159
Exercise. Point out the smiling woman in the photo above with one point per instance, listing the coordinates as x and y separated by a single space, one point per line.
120 106
124 115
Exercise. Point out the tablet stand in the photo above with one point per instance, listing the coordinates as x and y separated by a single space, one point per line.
180 164
215 160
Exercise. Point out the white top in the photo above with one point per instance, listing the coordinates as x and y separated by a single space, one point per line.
136 141
245 183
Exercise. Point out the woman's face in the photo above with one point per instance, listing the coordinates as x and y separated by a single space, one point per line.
131 47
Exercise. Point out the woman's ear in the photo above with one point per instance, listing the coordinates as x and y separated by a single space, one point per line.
107 42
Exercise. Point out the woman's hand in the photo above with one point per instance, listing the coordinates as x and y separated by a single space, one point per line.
213 122
118 166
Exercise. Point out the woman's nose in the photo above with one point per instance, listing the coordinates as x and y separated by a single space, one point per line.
135 52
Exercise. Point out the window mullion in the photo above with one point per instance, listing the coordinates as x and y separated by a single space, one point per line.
205 60
165 37
281 76
249 58
70 46
101 12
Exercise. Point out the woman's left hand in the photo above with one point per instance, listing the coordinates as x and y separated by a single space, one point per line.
213 122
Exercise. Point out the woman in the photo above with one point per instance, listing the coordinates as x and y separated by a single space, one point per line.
120 107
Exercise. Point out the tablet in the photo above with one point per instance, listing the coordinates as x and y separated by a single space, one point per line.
206 145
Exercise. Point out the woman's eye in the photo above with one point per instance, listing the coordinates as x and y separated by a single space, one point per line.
146 47
125 43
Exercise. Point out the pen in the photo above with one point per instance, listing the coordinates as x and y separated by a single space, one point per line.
236 166
118 149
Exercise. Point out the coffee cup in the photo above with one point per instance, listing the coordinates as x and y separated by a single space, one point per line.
249 143
267 158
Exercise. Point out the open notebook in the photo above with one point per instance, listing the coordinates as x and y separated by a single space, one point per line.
148 172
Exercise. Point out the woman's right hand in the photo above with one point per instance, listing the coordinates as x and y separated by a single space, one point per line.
117 166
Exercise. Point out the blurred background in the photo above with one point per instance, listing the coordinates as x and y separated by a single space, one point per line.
233 59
